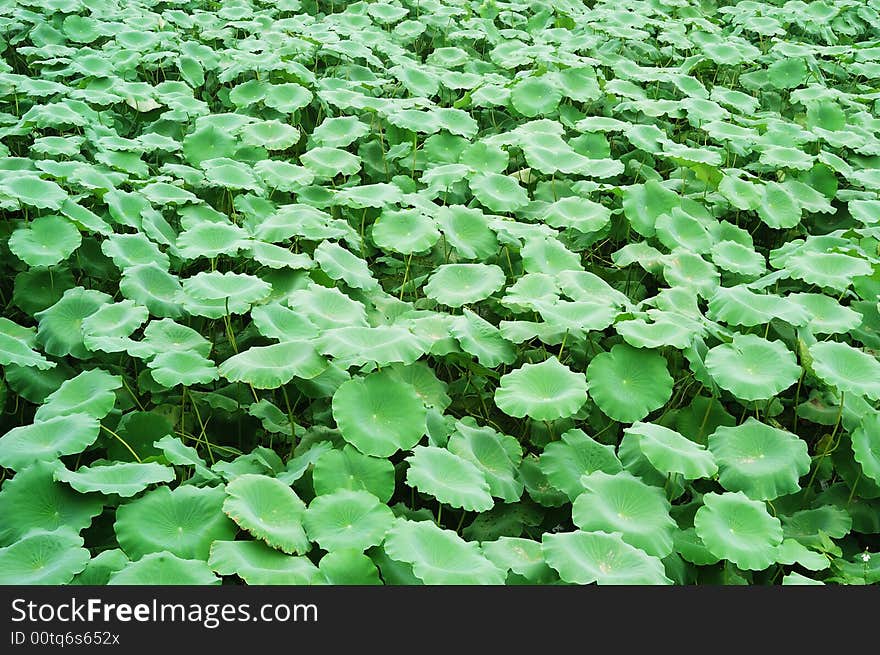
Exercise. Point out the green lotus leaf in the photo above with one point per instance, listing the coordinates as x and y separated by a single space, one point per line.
340 264
833 270
270 367
119 319
347 520
628 383
752 368
163 193
827 316
578 213
382 345
535 96
275 321
330 162
287 97
184 522
208 142
59 331
587 557
793 552
544 255
16 346
786 157
155 288
369 195
42 557
339 132
127 250
32 500
778 208
327 307
348 469
739 530
269 510
811 526
566 461
379 414
739 305
124 479
258 564
99 569
440 556
229 174
544 392
45 241
671 453
47 440
847 369
277 257
166 335
463 284
692 549
211 239
450 479
271 135
666 329
499 193
483 340
282 175
624 504
496 455
240 287
520 556
37 289
182 367
33 191
164 568
866 445
405 231
467 231
762 461
90 393
349 567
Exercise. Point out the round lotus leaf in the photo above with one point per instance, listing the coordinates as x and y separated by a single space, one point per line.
90 393
739 530
450 479
405 231
327 307
563 463
866 445
16 347
467 231
208 142
182 367
786 157
629 383
624 504
536 96
167 335
578 213
185 522
269 510
349 469
270 367
544 392
440 556
35 192
155 288
37 289
340 264
671 453
761 461
271 135
101 567
483 157
481 339
692 549
59 331
32 500
499 193
379 414
752 368
45 241
240 287
740 306
211 239
521 556
164 568
124 479
606 559
258 564
833 270
549 256
117 320
847 369
339 132
349 567
738 258
277 257
229 174
287 97
347 520
827 316
282 175
496 455
330 162
47 440
382 345
42 557
463 284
